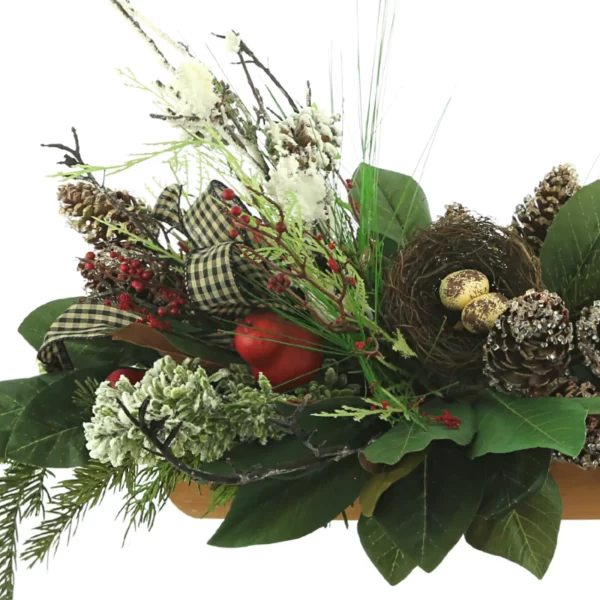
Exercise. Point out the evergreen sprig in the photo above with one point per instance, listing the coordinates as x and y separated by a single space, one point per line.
22 493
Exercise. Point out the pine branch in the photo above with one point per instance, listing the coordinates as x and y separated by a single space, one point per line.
22 494
85 490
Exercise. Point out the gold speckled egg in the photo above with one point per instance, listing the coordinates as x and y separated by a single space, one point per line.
459 288
480 315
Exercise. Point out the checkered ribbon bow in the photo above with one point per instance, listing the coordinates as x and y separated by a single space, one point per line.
215 268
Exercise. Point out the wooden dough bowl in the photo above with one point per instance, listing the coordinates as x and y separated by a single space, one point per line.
580 491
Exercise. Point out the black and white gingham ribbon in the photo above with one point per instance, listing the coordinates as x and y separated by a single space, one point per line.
219 280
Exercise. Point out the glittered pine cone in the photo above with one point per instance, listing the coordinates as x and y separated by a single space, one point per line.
535 214
588 336
84 203
528 351
589 457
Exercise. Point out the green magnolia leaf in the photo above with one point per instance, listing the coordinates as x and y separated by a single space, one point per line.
37 323
274 511
407 436
14 397
428 512
592 405
571 252
389 560
47 430
508 424
402 207
511 479
100 352
527 535
381 482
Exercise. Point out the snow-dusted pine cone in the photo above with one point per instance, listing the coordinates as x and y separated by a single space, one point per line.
535 215
589 458
83 203
527 352
588 336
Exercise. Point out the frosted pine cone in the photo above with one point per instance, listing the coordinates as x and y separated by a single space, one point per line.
535 215
588 336
527 353
589 457
83 203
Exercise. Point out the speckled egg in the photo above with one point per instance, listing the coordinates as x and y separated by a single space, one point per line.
480 315
461 287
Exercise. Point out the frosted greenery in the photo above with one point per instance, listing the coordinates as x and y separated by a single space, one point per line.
217 412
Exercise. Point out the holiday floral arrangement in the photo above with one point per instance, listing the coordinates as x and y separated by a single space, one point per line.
298 341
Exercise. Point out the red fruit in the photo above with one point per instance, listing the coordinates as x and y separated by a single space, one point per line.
124 268
90 256
236 211
162 311
280 227
286 353
174 311
245 219
113 254
146 275
234 233
138 286
228 194
134 375
88 266
135 264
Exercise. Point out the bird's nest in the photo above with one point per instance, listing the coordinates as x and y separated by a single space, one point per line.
411 301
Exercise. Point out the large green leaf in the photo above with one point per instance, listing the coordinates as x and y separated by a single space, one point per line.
45 422
37 323
511 479
401 205
100 352
428 512
527 535
407 436
14 397
571 252
592 405
273 511
508 424
389 560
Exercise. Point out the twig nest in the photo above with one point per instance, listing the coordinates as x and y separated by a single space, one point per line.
461 287
480 314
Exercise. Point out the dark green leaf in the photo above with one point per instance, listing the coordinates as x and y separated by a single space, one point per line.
389 560
571 252
37 323
402 208
47 431
194 342
508 424
428 512
527 535
100 352
407 436
273 511
14 397
511 479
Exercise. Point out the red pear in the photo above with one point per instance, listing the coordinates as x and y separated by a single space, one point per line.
287 354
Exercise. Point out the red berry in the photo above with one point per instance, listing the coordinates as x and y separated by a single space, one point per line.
280 227
162 311
360 346
138 286
351 281
90 256
133 375
332 246
174 311
121 276
385 405
121 259
136 263
107 303
113 254
245 219
88 266
319 238
181 301
333 265
236 211
349 184
228 194
146 275
234 233
124 268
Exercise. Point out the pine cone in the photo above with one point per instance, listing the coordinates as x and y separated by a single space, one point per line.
589 457
84 202
588 335
535 215
528 351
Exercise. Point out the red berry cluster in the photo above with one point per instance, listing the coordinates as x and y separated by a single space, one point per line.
279 283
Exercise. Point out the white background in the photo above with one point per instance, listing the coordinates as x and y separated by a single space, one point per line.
523 80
